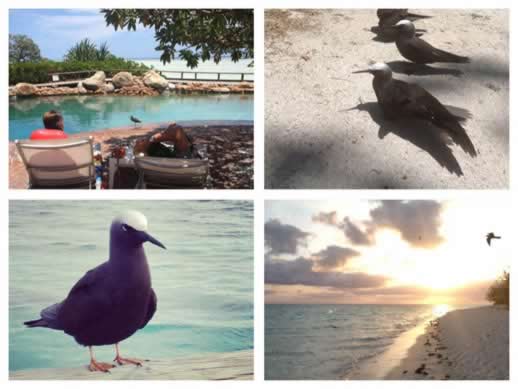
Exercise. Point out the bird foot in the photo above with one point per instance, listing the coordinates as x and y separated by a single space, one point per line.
128 361
100 366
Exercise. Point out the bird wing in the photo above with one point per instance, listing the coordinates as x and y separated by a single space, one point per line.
427 53
151 309
421 103
87 301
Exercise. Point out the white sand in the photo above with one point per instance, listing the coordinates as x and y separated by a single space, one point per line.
467 344
313 140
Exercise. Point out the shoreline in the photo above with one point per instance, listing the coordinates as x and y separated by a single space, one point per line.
237 365
464 344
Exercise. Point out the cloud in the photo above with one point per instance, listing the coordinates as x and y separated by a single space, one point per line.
300 272
330 218
418 221
355 234
76 27
283 238
334 257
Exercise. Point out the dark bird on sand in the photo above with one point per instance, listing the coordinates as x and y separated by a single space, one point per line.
490 237
390 16
135 120
399 99
418 50
113 300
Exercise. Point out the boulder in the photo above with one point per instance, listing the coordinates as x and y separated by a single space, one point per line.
24 89
95 82
220 89
81 89
123 79
109 88
155 81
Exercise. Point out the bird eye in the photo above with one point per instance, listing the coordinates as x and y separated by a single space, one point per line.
124 228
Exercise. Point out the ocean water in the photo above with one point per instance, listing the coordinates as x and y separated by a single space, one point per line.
89 113
329 342
225 65
203 281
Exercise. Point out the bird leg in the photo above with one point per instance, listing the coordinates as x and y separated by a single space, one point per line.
98 366
126 361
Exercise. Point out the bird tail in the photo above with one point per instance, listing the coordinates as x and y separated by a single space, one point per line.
417 16
36 323
449 57
459 135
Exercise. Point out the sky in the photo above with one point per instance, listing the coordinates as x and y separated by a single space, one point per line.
56 30
383 252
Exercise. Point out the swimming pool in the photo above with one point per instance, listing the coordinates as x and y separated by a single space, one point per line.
90 113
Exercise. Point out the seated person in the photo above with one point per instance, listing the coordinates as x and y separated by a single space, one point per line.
156 146
54 127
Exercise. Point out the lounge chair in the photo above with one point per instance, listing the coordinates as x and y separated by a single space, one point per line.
172 173
60 163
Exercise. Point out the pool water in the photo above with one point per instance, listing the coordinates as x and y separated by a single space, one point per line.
90 113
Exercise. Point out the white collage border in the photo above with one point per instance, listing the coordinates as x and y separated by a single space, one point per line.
258 195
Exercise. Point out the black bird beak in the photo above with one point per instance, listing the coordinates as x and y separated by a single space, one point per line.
361 71
150 239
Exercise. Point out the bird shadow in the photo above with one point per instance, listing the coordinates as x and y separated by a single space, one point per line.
421 134
409 68
389 34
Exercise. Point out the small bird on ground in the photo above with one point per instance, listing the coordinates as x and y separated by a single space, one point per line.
419 51
399 99
113 300
135 120
390 16
490 237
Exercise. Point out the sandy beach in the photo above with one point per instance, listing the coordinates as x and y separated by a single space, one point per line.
323 128
466 344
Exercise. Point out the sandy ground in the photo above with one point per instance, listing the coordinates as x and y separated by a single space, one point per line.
314 140
230 150
236 365
468 344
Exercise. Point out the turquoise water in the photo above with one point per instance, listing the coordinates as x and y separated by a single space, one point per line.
226 65
204 281
89 113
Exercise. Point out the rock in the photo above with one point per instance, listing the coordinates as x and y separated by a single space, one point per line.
220 89
81 89
154 80
123 79
171 86
95 82
25 89
109 88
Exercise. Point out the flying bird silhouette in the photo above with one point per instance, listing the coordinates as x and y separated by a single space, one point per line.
418 50
113 300
135 120
399 99
490 237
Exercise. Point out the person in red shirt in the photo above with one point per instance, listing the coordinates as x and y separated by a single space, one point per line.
54 127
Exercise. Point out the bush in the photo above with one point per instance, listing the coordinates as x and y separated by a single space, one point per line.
86 50
40 72
498 292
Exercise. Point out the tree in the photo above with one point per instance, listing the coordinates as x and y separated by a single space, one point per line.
23 49
498 292
86 50
194 33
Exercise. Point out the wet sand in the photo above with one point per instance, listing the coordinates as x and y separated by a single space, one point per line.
466 344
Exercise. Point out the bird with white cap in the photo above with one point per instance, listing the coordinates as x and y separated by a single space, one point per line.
113 300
